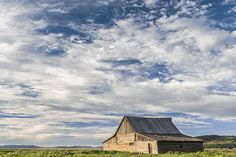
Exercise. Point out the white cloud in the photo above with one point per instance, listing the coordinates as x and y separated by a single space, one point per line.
200 56
150 2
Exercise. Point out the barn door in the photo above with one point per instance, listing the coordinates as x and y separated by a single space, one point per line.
149 148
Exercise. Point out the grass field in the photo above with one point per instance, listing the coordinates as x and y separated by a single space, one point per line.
216 146
97 153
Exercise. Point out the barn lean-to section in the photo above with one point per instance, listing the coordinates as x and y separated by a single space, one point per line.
150 135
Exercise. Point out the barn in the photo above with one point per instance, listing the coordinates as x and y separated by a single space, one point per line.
150 135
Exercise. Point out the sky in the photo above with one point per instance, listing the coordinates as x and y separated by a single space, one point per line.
70 69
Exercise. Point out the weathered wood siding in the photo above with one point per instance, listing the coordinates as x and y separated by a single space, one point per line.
125 127
164 147
127 140
130 143
123 140
142 143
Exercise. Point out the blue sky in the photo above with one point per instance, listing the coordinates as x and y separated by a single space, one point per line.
70 69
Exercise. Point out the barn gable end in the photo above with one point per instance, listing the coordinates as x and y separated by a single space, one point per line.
125 127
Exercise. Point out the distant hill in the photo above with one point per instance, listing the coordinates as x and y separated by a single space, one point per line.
88 147
216 141
19 146
33 146
208 138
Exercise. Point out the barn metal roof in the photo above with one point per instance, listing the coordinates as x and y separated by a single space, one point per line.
161 126
173 138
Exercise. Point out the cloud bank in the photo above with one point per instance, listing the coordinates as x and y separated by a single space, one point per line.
71 69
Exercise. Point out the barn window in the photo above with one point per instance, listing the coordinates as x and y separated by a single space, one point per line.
131 143
141 138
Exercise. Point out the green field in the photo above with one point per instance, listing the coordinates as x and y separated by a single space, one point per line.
215 146
98 153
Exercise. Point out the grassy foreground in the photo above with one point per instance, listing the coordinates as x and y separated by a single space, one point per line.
97 153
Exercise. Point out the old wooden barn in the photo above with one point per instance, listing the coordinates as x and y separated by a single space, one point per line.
150 135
